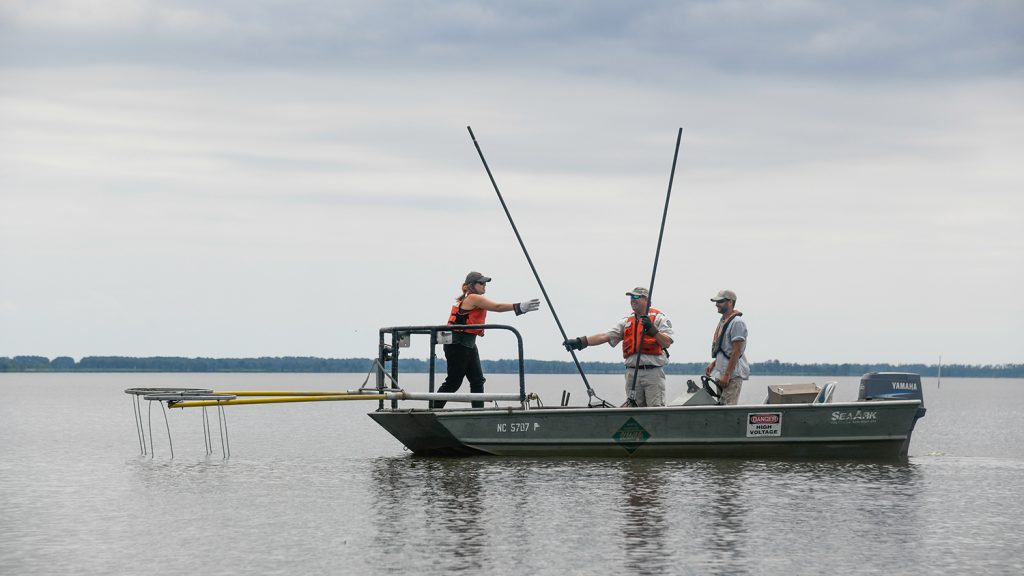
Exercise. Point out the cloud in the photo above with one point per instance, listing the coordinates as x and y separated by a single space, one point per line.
253 178
646 40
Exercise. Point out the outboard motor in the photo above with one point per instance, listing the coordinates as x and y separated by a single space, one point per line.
892 386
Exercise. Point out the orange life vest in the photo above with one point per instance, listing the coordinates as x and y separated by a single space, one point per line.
650 344
459 316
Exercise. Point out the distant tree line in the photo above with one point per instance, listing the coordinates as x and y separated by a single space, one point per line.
361 365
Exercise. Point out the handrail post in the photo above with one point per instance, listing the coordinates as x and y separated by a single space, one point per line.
433 357
394 364
522 369
379 368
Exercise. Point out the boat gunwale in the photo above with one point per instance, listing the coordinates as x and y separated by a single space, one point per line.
466 412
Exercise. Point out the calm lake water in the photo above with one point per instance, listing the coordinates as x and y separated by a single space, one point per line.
319 489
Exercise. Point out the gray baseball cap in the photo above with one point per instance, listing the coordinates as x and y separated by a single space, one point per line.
724 295
639 291
474 277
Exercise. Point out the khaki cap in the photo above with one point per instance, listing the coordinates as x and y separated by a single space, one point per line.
724 295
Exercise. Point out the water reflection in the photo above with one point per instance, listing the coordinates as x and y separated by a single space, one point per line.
642 516
750 516
430 508
726 509
777 513
645 527
729 506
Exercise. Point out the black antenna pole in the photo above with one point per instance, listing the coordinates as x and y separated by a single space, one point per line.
590 390
650 289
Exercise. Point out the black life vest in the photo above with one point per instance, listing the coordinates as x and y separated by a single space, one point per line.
720 332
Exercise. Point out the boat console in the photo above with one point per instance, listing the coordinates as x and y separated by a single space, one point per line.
695 396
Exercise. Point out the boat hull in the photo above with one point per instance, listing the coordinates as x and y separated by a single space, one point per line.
856 430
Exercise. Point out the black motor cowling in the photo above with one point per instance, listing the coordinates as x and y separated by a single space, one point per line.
891 386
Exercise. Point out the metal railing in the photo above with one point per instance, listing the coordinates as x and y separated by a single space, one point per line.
389 352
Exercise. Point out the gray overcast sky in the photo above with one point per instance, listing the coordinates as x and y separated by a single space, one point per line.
270 177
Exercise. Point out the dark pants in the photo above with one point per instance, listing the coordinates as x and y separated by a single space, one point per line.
462 363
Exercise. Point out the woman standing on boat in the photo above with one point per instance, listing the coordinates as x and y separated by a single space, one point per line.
462 355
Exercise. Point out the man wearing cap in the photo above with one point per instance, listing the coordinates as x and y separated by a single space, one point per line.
462 355
729 348
646 342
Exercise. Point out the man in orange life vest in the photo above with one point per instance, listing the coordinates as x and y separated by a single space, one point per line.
653 333
462 355
729 348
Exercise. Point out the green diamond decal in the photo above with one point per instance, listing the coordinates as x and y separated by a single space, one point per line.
631 435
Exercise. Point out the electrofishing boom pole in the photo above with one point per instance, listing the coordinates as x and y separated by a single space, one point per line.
650 289
590 391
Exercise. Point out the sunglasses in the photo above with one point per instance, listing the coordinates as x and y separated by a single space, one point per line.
634 297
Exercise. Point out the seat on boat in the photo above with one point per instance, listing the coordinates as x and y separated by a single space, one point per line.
825 394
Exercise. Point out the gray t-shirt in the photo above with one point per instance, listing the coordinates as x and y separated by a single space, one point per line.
661 322
737 332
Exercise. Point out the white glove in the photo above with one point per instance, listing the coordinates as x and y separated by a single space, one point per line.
528 306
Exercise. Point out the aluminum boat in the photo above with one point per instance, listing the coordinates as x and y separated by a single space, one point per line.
795 421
